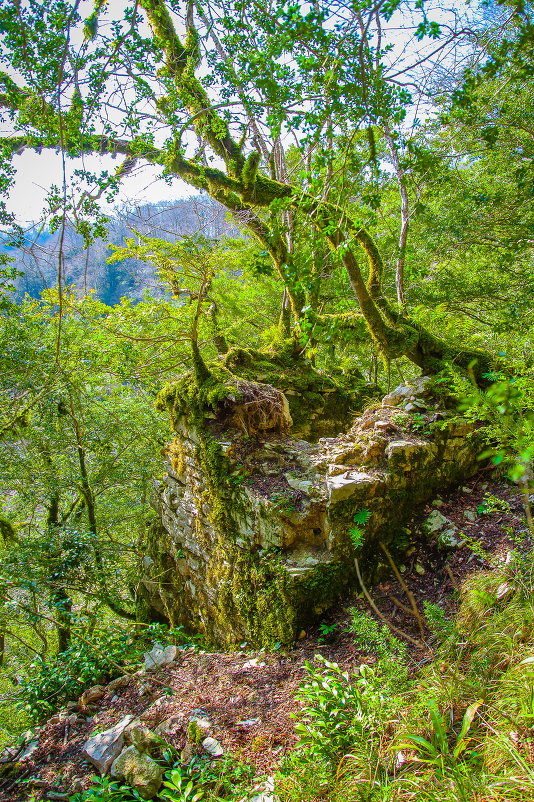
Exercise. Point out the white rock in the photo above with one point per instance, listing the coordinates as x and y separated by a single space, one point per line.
102 749
253 663
160 656
249 722
212 747
504 591
349 484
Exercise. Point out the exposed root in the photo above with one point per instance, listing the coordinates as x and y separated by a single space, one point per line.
260 408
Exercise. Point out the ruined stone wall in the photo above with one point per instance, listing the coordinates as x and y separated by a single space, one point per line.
258 536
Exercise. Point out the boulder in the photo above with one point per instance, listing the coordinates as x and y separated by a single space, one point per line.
91 695
118 683
212 747
139 771
446 530
102 749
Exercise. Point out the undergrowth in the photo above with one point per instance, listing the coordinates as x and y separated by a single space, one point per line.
54 680
460 728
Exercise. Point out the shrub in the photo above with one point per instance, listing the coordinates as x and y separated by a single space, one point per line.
55 681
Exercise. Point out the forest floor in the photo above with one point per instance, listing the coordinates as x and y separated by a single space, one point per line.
250 696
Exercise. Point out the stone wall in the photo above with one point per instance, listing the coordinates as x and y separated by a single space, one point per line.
257 535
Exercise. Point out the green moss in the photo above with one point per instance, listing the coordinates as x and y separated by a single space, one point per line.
193 399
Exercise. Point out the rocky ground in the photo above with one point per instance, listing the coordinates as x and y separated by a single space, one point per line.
248 698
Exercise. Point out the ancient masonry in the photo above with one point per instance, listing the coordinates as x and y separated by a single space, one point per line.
258 535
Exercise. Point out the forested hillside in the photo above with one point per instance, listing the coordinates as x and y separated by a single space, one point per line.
87 268
266 451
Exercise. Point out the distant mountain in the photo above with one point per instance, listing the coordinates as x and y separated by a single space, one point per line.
88 269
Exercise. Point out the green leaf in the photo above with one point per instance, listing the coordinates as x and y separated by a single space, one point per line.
467 720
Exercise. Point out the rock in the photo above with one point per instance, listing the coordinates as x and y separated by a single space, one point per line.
435 522
397 396
140 771
93 694
504 591
198 713
410 407
421 386
253 663
447 539
169 726
349 484
403 454
264 791
470 515
446 531
212 747
249 722
102 749
160 656
136 734
305 486
29 749
118 682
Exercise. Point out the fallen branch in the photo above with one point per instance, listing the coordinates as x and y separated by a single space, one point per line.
375 609
411 598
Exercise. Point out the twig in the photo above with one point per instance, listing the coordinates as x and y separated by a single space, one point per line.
411 598
400 605
375 609
451 577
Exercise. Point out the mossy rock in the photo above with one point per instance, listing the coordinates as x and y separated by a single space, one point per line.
319 404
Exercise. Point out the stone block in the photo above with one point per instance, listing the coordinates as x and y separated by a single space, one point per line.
352 484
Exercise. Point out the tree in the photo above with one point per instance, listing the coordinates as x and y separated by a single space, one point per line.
75 478
186 82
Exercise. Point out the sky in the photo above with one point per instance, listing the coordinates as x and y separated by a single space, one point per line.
36 173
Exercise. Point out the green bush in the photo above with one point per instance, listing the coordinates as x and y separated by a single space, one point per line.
54 681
